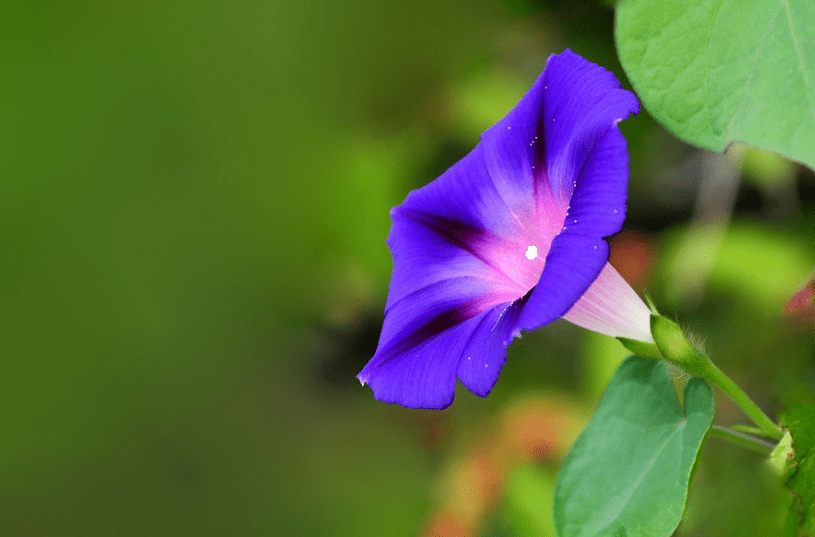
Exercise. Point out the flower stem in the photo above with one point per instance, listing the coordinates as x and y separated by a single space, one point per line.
768 427
749 429
744 440
675 347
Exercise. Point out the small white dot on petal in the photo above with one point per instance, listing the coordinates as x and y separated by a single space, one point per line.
532 252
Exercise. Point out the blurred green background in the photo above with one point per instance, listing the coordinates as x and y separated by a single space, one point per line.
194 203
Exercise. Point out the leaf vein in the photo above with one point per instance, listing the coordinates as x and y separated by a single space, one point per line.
731 136
796 44
626 494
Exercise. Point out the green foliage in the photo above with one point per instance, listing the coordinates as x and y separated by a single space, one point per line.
781 460
628 473
715 72
528 501
800 421
760 266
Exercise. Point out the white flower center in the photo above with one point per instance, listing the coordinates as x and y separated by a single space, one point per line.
532 252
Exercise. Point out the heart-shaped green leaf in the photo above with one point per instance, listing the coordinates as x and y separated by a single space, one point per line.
720 71
628 473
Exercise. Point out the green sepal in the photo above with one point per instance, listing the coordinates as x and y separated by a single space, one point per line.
641 348
675 347
650 301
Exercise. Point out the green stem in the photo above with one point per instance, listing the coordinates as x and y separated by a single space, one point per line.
740 439
749 429
767 426
675 347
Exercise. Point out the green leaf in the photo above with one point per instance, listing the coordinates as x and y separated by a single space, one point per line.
800 422
628 473
781 460
719 71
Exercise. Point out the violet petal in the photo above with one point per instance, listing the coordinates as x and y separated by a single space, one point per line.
527 210
424 375
589 154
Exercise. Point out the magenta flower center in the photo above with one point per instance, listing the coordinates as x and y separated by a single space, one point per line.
520 255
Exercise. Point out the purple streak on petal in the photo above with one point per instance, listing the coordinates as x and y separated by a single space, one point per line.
596 161
424 257
459 225
485 353
514 149
514 152
476 242
581 102
428 312
459 256
424 376
580 251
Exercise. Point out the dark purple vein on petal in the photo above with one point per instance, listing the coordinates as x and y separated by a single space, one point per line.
437 325
430 288
540 173
466 237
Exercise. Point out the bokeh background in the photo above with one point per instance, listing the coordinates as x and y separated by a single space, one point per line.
194 203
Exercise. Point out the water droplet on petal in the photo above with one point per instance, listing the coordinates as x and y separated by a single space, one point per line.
532 252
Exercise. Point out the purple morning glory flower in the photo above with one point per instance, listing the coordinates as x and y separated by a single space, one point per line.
511 237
